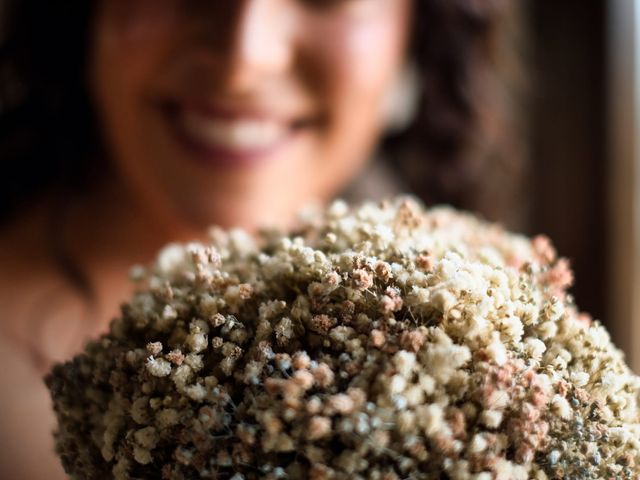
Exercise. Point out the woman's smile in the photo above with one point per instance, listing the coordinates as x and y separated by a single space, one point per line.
233 136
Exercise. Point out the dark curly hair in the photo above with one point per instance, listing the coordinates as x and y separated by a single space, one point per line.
465 147
458 139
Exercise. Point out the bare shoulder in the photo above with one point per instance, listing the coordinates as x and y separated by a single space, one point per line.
33 300
27 420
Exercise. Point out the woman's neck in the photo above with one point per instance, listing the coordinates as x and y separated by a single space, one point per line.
104 234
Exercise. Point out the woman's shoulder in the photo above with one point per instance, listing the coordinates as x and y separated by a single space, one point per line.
27 419
25 345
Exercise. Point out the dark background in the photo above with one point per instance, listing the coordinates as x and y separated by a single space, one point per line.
568 142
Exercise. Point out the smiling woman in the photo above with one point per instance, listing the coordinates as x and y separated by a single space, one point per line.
205 117
125 124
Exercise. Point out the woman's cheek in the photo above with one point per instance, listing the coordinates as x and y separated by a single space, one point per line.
356 62
360 64
133 35
359 54
372 49
133 20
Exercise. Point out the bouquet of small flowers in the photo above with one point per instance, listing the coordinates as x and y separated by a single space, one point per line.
386 341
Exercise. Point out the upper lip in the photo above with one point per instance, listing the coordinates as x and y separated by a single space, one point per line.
240 111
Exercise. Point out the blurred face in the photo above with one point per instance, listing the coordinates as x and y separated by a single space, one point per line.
237 112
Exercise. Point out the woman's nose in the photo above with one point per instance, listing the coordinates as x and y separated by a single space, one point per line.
254 40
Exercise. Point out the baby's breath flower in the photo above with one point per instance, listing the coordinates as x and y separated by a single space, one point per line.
158 367
319 427
383 342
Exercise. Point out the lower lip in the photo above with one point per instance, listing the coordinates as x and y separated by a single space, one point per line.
225 158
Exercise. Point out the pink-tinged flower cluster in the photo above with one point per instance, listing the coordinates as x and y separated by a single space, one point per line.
381 342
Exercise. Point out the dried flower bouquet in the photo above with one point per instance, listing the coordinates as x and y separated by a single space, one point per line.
381 342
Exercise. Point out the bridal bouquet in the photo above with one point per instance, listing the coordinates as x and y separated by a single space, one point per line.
386 341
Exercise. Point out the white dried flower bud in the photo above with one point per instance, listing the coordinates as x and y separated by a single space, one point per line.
147 437
548 330
167 418
300 360
534 347
196 392
427 383
513 328
362 279
377 338
323 375
142 455
397 384
491 418
154 348
139 410
304 378
181 375
560 406
338 209
431 419
407 422
197 341
171 259
158 367
341 403
194 361
415 395
404 362
498 399
497 351
319 427
478 443
580 379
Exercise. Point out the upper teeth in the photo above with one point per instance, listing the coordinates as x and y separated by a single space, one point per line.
232 134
